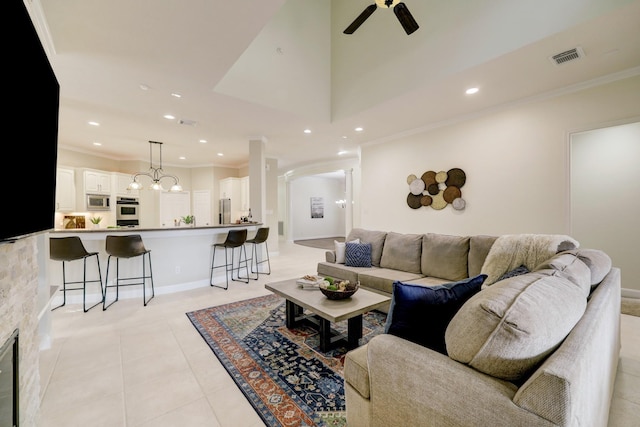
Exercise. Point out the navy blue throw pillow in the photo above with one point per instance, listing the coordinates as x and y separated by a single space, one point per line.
421 314
357 254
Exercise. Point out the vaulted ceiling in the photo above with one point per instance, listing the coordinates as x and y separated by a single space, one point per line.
269 69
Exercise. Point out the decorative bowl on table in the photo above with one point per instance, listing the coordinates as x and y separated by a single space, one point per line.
343 289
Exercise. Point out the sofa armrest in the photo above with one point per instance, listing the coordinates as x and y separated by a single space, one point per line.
330 256
414 384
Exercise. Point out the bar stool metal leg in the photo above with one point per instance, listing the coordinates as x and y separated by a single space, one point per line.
125 247
235 239
260 238
153 293
68 249
245 279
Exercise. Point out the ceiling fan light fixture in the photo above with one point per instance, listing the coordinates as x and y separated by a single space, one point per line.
399 9
386 4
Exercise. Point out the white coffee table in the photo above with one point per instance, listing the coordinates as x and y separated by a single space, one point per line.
325 311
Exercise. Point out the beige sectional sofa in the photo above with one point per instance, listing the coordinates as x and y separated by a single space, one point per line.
428 259
535 349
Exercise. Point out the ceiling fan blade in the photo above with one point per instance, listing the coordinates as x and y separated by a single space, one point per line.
406 19
360 19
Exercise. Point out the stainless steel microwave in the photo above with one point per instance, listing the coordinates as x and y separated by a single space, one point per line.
98 202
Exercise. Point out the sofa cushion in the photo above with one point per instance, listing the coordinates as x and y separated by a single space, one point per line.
376 238
340 247
571 267
381 279
445 256
357 370
508 328
357 254
479 247
599 263
402 252
421 314
340 271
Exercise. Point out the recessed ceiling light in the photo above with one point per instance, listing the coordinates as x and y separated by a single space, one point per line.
96 143
144 87
176 95
169 116
182 157
203 141
472 90
94 123
340 153
220 154
358 129
307 131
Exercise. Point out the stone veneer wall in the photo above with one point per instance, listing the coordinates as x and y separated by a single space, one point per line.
18 309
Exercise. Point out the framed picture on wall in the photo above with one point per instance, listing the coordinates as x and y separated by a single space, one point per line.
317 207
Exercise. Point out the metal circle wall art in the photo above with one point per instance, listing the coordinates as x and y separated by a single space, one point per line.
437 189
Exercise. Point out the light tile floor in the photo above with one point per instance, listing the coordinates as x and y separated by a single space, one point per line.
147 366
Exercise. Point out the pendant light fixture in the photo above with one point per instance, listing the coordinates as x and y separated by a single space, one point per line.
155 173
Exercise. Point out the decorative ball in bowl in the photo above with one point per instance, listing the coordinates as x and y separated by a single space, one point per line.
339 290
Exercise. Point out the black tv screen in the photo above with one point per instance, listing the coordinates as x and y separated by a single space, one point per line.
30 145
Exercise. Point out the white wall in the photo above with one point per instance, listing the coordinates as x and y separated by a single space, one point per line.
605 194
517 165
305 227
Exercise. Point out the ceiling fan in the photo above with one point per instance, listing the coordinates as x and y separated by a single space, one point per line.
399 8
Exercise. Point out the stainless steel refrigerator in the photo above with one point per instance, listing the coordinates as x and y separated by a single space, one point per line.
225 211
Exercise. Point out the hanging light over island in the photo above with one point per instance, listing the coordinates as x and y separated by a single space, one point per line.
155 173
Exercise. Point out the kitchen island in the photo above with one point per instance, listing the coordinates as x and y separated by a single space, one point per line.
180 257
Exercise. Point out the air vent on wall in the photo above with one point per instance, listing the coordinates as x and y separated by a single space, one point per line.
567 56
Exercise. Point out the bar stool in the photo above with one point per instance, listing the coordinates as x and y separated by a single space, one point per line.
235 239
68 249
129 246
260 238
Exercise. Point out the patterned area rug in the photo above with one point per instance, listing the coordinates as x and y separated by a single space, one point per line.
281 372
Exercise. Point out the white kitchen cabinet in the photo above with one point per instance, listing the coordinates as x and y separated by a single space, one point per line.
121 183
65 190
97 182
226 187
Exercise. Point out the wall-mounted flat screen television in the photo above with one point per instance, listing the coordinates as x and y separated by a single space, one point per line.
30 145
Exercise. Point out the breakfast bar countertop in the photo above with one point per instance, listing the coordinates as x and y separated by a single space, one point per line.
145 229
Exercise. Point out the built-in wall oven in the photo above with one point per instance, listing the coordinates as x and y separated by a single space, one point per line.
127 212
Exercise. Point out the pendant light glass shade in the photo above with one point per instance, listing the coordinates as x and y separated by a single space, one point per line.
155 173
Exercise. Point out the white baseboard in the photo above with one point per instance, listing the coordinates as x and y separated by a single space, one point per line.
630 293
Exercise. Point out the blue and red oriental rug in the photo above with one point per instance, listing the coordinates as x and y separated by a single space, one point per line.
281 371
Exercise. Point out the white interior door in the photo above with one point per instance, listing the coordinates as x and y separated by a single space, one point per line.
173 206
202 207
